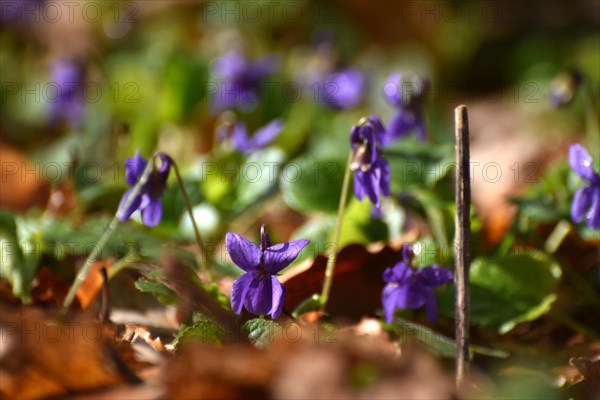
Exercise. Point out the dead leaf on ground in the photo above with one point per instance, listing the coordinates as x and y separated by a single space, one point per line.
49 288
361 363
590 369
45 355
92 283
23 182
358 271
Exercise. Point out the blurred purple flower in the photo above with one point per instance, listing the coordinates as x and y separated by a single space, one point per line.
244 143
148 199
586 202
21 11
407 93
239 80
412 288
67 77
343 89
258 290
371 170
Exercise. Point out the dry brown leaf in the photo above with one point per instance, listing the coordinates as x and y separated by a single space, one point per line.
46 355
48 288
23 182
305 368
92 283
358 271
590 369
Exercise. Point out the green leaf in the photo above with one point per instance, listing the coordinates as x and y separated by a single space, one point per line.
414 164
311 303
101 196
258 174
318 230
437 343
158 290
260 331
202 329
309 184
172 202
516 287
11 258
359 226
220 176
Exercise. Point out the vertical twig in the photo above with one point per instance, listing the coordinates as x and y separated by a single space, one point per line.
104 305
461 241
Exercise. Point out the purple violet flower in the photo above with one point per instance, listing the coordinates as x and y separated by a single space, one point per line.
407 93
67 76
244 143
239 79
371 170
586 202
343 89
258 290
148 199
412 288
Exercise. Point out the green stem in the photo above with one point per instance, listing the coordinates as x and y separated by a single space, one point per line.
93 257
199 241
336 236
129 258
558 235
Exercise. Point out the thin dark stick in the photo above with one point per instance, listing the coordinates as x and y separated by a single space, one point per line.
461 242
104 306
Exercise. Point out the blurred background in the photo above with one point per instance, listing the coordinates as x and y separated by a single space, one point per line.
85 84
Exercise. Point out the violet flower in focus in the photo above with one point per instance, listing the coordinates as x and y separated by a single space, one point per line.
239 80
258 290
148 199
371 170
409 288
406 92
67 77
586 202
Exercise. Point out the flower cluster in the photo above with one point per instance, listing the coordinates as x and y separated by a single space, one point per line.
258 290
586 202
371 170
239 80
147 200
410 288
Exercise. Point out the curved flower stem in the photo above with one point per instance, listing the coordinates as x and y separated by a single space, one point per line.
336 236
85 270
205 262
